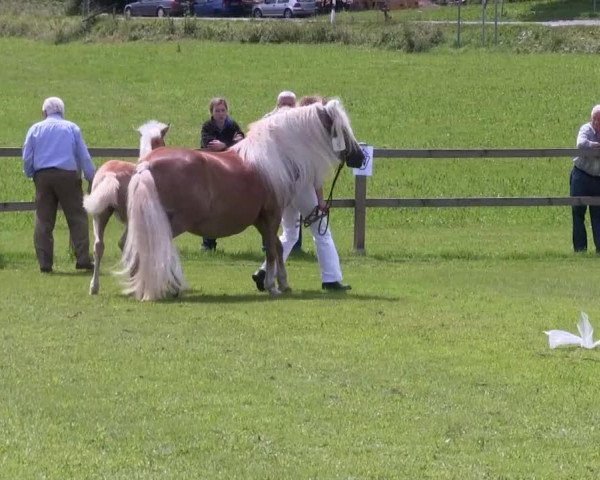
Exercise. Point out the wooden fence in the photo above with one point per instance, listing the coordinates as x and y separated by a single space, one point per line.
360 202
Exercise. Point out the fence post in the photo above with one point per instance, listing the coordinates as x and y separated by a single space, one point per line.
360 213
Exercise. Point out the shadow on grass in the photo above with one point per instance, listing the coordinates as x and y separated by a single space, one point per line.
195 296
560 10
573 354
257 257
470 256
64 273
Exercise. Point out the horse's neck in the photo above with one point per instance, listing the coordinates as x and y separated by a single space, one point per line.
149 144
145 147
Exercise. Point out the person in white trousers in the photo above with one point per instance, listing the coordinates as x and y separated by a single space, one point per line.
303 204
285 100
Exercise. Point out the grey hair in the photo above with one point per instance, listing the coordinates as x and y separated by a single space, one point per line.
285 94
53 105
595 111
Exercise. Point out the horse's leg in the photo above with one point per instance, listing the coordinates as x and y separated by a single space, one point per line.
123 239
100 222
281 271
275 250
270 241
268 226
273 221
178 226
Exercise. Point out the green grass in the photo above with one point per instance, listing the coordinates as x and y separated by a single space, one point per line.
431 368
523 11
434 366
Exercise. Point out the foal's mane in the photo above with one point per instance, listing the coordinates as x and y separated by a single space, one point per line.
149 131
293 149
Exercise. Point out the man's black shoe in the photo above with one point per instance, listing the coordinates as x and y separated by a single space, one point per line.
336 286
46 269
84 266
259 279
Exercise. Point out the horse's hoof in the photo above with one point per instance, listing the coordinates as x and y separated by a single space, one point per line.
259 279
274 292
286 289
94 290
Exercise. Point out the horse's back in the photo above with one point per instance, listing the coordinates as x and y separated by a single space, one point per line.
121 169
207 193
183 159
183 168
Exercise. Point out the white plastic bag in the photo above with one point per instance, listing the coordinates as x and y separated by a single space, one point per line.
559 338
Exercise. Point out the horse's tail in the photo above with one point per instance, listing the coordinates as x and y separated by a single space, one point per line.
151 263
104 194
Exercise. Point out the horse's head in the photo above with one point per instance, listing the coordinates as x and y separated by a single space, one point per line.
336 121
152 135
300 146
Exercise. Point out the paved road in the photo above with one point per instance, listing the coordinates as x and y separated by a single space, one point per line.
553 23
569 23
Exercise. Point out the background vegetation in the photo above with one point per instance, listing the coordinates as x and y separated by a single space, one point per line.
433 366
409 30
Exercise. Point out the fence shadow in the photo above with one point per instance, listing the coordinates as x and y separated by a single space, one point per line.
470 256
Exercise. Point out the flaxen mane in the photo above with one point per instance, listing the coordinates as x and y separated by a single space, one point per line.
293 148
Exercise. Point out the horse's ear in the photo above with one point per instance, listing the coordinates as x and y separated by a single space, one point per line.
164 131
325 117
139 130
332 104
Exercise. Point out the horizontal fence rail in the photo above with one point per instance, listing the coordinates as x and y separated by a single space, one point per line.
383 152
360 202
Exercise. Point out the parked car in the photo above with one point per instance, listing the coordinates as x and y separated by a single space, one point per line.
218 8
157 8
284 8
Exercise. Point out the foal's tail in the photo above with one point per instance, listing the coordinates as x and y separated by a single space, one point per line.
151 263
105 190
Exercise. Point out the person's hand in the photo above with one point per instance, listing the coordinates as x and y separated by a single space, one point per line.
237 137
216 145
323 206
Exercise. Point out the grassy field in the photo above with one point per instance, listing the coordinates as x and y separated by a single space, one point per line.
434 366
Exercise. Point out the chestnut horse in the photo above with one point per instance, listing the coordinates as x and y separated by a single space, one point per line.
109 192
176 190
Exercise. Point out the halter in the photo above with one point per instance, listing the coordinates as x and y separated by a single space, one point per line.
318 215
339 145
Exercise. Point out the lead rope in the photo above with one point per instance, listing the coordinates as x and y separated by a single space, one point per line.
319 215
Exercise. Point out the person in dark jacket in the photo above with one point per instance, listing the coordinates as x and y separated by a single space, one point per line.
218 133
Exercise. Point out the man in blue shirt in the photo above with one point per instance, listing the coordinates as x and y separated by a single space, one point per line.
55 155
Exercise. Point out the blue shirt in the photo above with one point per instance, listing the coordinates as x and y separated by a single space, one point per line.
587 138
56 143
